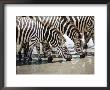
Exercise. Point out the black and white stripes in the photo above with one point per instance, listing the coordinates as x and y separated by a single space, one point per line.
34 32
65 26
85 25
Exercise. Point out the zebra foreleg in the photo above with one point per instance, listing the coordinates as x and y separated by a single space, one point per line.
93 38
26 49
50 58
79 48
29 56
47 51
20 57
86 41
25 55
38 51
39 59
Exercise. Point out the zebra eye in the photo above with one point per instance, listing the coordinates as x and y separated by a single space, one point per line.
80 36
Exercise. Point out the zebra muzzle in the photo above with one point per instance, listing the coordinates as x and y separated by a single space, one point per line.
82 55
69 58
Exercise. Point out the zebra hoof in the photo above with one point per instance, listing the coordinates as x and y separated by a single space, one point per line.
50 59
39 61
24 62
69 59
29 63
82 56
30 59
85 46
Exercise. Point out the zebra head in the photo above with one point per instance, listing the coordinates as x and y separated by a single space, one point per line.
57 40
78 43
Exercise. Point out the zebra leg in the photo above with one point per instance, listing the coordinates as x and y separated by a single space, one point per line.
47 50
50 58
93 38
20 57
26 58
29 56
38 51
85 38
44 54
25 47
79 48
39 58
88 37
30 53
27 53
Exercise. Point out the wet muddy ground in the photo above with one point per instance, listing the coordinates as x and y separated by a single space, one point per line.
76 66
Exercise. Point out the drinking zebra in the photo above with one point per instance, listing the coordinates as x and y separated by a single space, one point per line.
85 25
65 27
35 32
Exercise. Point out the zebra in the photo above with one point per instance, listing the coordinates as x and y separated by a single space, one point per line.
23 34
25 46
35 32
85 25
65 27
